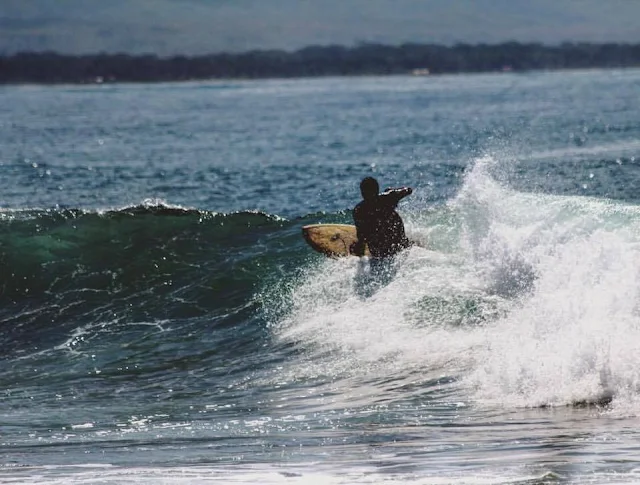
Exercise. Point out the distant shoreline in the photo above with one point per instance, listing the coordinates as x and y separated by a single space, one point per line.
314 61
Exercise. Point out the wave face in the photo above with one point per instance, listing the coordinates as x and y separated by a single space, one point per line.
227 326
504 269
64 269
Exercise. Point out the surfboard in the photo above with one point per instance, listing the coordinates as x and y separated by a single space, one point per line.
333 240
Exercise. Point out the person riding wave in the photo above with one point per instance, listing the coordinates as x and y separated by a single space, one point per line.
378 224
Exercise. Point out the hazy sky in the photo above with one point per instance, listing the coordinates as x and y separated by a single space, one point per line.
203 26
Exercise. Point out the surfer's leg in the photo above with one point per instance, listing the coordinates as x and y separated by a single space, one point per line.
383 270
364 283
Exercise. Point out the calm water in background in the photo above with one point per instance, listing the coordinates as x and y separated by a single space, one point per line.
162 321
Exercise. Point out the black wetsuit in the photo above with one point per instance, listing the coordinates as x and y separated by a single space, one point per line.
379 225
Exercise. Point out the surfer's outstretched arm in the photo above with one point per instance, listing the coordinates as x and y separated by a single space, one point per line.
393 196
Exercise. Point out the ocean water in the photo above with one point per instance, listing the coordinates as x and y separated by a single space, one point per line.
163 321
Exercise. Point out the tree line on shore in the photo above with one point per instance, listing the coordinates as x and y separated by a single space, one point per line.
363 59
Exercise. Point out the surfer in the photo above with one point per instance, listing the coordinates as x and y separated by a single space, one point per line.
377 222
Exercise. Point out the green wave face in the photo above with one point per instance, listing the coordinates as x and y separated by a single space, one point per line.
66 267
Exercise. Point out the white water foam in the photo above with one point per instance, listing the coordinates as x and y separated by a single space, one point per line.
575 335
534 302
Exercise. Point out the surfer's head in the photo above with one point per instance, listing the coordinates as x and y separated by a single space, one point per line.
369 188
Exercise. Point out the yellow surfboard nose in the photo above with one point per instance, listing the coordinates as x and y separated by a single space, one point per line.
333 240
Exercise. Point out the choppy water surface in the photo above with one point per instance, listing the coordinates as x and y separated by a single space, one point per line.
162 320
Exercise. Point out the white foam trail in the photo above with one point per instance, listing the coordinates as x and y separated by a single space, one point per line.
362 334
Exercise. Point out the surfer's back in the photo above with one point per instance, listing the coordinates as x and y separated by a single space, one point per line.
379 225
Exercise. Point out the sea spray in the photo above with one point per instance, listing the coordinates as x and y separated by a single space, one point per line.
570 337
